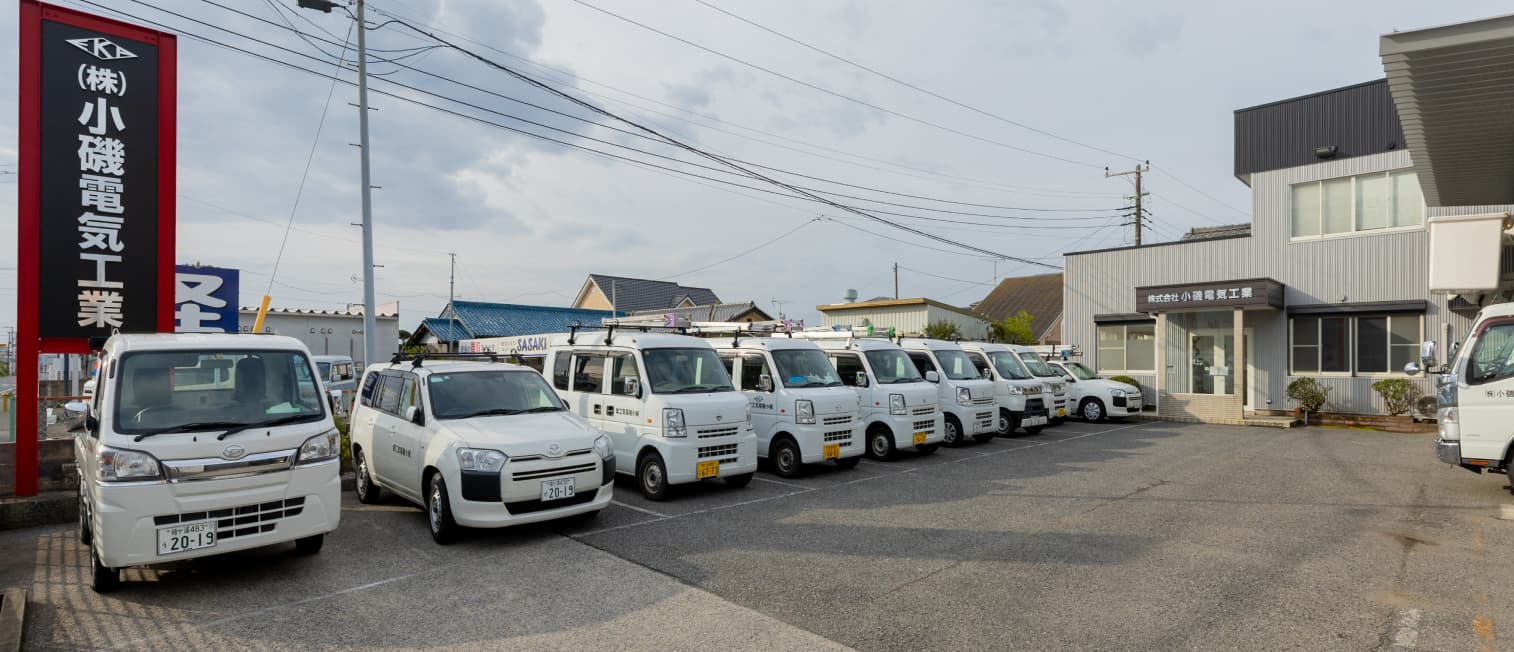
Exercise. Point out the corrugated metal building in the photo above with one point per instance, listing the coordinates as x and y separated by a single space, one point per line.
905 316
1329 282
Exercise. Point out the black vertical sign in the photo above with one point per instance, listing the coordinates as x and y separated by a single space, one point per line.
98 204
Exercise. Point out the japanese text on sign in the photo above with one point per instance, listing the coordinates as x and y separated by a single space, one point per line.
1213 294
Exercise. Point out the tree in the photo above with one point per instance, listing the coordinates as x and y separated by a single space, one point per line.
943 330
1014 330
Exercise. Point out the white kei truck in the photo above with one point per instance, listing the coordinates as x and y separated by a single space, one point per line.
900 410
664 399
1021 404
199 444
1095 398
967 397
476 442
801 411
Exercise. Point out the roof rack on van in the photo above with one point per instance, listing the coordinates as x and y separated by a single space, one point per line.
421 358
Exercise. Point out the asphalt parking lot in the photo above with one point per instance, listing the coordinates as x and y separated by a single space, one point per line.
1087 536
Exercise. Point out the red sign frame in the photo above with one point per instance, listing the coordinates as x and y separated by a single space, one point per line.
28 343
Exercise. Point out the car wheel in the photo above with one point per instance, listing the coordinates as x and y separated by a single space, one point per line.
310 545
739 481
1008 422
953 432
367 492
849 462
880 444
85 533
927 449
652 477
1092 410
785 458
439 511
104 579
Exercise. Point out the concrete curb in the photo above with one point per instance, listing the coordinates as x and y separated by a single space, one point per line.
44 509
12 618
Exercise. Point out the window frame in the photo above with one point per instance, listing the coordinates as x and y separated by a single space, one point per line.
1353 327
1390 203
1124 348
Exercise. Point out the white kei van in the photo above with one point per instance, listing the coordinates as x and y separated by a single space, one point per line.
665 400
899 408
1021 404
199 444
801 411
966 397
1053 380
1095 398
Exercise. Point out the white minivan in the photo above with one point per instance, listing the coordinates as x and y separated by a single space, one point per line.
665 400
801 411
1053 380
1096 399
477 443
899 408
967 398
199 444
1021 403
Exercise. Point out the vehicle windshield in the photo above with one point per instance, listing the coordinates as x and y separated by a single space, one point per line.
324 368
957 365
1009 366
686 371
892 367
1038 366
195 391
466 394
1079 371
805 368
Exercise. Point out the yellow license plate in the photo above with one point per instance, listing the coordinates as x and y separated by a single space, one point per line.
832 451
919 438
707 469
1061 412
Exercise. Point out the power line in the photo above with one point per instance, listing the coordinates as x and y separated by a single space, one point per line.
743 253
1211 197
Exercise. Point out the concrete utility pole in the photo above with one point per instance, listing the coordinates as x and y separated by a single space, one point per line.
1139 195
451 296
896 281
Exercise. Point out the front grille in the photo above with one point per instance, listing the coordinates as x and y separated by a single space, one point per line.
988 400
1034 405
232 522
530 506
717 451
922 411
721 431
531 458
838 435
1119 401
548 473
837 421
926 425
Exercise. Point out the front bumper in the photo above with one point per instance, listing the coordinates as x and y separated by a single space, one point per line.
248 513
1125 406
493 500
977 419
1032 418
1448 451
814 438
904 427
737 455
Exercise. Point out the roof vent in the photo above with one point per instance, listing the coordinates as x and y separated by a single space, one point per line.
849 296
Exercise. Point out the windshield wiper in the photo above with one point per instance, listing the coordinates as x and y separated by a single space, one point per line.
269 423
544 408
191 427
491 412
699 389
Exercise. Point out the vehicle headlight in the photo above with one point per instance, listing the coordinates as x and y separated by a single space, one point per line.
1016 390
1116 392
602 446
896 404
804 411
964 396
672 422
480 460
320 448
115 464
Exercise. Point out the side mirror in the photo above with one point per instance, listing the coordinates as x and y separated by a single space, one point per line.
1427 353
1070 379
1412 369
414 415
862 379
986 374
631 386
764 383
1455 346
76 408
932 377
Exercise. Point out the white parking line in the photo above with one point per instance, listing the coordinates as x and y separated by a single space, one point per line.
640 509
1407 633
772 481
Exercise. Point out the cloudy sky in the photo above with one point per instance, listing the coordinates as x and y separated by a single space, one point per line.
1039 97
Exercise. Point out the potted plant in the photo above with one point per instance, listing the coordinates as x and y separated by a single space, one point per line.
1310 395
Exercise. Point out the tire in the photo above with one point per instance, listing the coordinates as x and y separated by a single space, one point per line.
953 436
1034 430
652 477
739 481
849 462
1008 423
784 455
927 449
439 511
85 533
880 444
309 545
367 492
1092 410
104 580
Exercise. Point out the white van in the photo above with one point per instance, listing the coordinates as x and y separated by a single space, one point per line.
801 411
199 444
338 375
1475 394
899 408
966 397
1054 381
1098 398
1021 404
477 443
665 400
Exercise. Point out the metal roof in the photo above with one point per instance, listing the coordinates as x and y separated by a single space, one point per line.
712 312
638 294
1453 86
1217 232
475 319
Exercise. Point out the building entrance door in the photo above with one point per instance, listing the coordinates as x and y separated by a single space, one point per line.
1212 355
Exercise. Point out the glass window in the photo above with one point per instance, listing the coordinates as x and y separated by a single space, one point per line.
978 361
482 393
892 366
729 361
805 368
753 368
1372 199
1403 340
1376 343
1305 210
560 365
389 393
922 362
1079 371
847 367
1493 356
588 372
622 366
1335 206
175 390
1335 344
1408 202
1009 366
1305 344
344 371
1364 202
369 383
1111 354
410 395
685 371
1372 345
1037 366
324 368
956 365
1127 347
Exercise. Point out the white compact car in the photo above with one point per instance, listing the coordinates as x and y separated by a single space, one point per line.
195 445
1095 398
479 444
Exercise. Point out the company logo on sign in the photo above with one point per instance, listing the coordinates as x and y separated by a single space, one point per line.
102 48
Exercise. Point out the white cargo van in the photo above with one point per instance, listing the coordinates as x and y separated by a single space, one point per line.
899 408
1095 398
966 397
199 444
1054 381
477 443
1475 394
665 400
801 411
1019 394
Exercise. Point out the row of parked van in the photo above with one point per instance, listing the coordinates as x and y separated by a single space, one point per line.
199 444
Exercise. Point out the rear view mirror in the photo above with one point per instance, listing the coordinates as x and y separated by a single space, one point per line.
1412 369
764 383
932 377
1427 353
631 386
862 379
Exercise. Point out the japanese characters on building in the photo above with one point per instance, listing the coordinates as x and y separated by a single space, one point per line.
1217 294
1255 293
205 299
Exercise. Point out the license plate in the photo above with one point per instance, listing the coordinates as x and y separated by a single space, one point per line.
556 489
1061 412
832 451
179 538
919 438
707 469
1036 420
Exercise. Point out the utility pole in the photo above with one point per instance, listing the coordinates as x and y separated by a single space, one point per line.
1140 213
779 303
451 296
896 281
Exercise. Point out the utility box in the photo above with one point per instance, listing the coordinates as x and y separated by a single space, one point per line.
1465 252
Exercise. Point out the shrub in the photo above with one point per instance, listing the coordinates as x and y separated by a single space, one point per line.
943 330
1127 380
1310 395
1399 394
